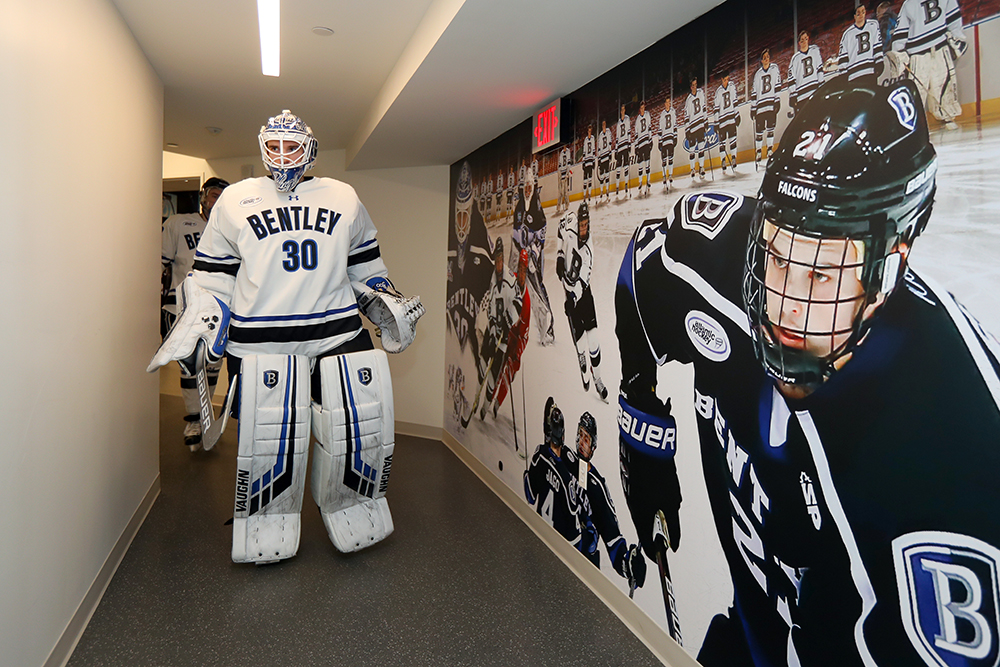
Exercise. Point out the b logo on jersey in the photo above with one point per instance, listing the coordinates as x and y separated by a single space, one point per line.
365 376
707 335
707 213
270 379
949 595
905 110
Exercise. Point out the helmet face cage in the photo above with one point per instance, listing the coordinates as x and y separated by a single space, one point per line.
284 159
806 296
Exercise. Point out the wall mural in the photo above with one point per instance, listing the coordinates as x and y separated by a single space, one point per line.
730 339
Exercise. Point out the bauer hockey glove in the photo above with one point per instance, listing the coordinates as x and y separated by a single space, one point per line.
635 567
647 437
394 314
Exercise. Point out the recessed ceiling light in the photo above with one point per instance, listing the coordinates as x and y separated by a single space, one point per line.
214 130
172 145
322 31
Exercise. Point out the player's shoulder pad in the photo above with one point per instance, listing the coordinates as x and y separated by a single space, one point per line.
706 213
930 567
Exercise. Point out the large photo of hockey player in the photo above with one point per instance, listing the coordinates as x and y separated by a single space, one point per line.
820 490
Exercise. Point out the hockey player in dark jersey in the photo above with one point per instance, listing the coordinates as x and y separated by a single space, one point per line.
600 518
847 408
550 482
469 264
529 233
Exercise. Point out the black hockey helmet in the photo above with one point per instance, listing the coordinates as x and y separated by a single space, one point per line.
555 425
212 183
583 213
856 163
588 424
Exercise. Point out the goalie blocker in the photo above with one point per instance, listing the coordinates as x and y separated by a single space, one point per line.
354 432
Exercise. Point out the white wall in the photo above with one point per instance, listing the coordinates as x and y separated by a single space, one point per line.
79 182
410 209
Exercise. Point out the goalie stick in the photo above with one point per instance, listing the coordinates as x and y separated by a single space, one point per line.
211 428
661 544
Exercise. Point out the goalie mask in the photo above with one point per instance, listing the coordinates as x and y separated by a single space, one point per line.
841 202
288 149
463 204
586 436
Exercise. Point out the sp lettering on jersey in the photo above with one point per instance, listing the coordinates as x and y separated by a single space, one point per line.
906 110
707 213
707 336
270 379
812 504
949 596
365 376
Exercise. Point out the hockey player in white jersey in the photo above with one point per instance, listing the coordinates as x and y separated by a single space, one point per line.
861 48
509 193
764 106
501 312
574 266
565 158
847 408
589 162
727 119
667 142
805 73
281 276
623 150
498 192
928 40
696 112
605 147
643 146
181 233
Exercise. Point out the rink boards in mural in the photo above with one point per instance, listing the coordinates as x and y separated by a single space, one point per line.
916 584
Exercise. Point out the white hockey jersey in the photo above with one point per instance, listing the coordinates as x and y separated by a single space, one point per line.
564 160
589 151
860 50
577 257
284 262
181 233
726 99
924 26
766 86
668 128
696 111
643 131
623 134
511 181
805 74
604 144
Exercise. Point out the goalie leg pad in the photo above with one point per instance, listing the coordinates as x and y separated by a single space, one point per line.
355 435
273 451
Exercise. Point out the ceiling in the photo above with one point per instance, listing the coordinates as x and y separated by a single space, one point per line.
400 83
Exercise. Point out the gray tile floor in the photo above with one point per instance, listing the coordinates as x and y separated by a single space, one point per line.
461 581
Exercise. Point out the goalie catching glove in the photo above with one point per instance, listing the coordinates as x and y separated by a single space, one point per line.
202 317
394 314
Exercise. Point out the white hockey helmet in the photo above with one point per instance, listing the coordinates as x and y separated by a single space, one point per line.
293 153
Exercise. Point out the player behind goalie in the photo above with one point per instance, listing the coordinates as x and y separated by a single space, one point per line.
574 266
517 338
846 407
284 269
181 233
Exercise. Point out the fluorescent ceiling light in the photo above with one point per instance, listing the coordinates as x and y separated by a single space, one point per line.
269 18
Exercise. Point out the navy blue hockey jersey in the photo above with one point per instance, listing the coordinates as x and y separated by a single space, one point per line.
860 523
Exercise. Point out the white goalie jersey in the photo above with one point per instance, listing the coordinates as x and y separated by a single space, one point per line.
284 262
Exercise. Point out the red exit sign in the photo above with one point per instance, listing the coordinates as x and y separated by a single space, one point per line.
545 126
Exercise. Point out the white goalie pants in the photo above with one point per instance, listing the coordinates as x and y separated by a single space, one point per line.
354 431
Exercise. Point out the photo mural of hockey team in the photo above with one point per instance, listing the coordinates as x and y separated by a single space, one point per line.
733 338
